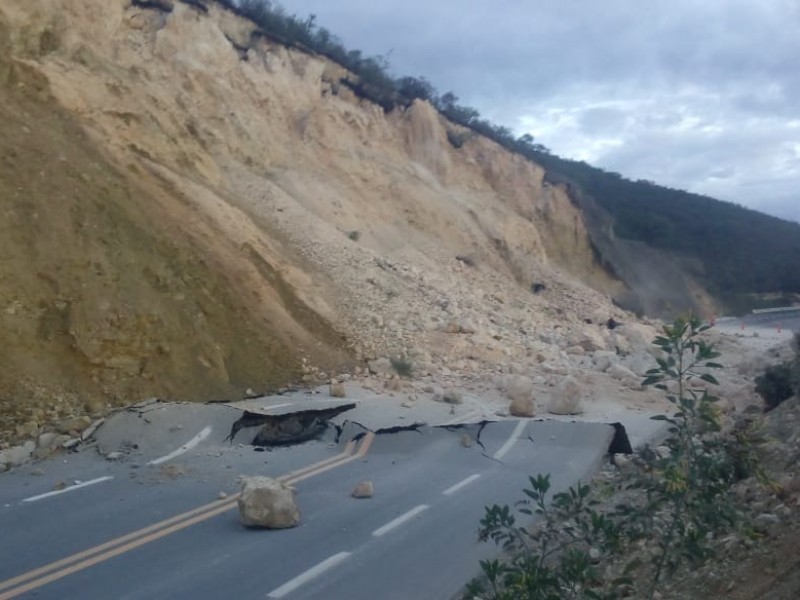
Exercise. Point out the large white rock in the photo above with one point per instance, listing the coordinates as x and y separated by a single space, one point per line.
519 387
16 455
522 407
267 502
567 398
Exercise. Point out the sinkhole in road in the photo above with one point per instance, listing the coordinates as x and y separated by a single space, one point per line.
300 426
287 429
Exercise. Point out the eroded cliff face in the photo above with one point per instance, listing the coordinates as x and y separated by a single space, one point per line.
190 210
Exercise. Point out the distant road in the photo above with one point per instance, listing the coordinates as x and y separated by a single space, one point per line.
118 536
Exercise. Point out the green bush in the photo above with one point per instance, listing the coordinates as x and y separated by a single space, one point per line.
675 502
402 366
776 385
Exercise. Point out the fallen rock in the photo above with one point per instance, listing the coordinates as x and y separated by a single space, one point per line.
113 455
604 359
466 441
336 390
47 441
380 366
623 373
522 407
27 430
590 340
452 397
567 398
623 463
76 424
395 384
519 387
70 443
17 455
267 502
364 489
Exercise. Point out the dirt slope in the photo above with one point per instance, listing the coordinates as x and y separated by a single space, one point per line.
190 211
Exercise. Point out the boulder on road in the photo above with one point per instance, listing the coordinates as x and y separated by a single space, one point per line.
364 489
267 502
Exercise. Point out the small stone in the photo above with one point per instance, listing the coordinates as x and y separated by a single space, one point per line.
222 495
381 366
76 424
452 397
663 452
364 489
71 443
623 463
466 441
395 384
336 390
47 441
113 455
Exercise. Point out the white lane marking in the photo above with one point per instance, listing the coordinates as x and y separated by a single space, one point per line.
510 441
467 418
187 446
274 406
400 520
461 484
68 489
307 576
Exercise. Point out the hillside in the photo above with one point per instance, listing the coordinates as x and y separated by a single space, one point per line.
193 211
738 254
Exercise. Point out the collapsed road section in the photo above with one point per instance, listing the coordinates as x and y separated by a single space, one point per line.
289 428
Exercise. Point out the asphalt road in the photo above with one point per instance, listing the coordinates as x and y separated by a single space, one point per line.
416 538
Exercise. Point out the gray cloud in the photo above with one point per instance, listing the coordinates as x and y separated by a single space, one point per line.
699 96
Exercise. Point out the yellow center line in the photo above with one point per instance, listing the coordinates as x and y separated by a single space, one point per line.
77 562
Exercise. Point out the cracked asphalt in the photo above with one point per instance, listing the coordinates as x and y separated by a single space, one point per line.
154 523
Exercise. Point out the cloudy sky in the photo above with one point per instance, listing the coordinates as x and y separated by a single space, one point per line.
702 96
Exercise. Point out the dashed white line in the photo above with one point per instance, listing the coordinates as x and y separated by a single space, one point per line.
461 484
400 520
510 441
186 447
68 489
307 576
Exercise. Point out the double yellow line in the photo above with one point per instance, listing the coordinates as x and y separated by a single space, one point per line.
36 578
